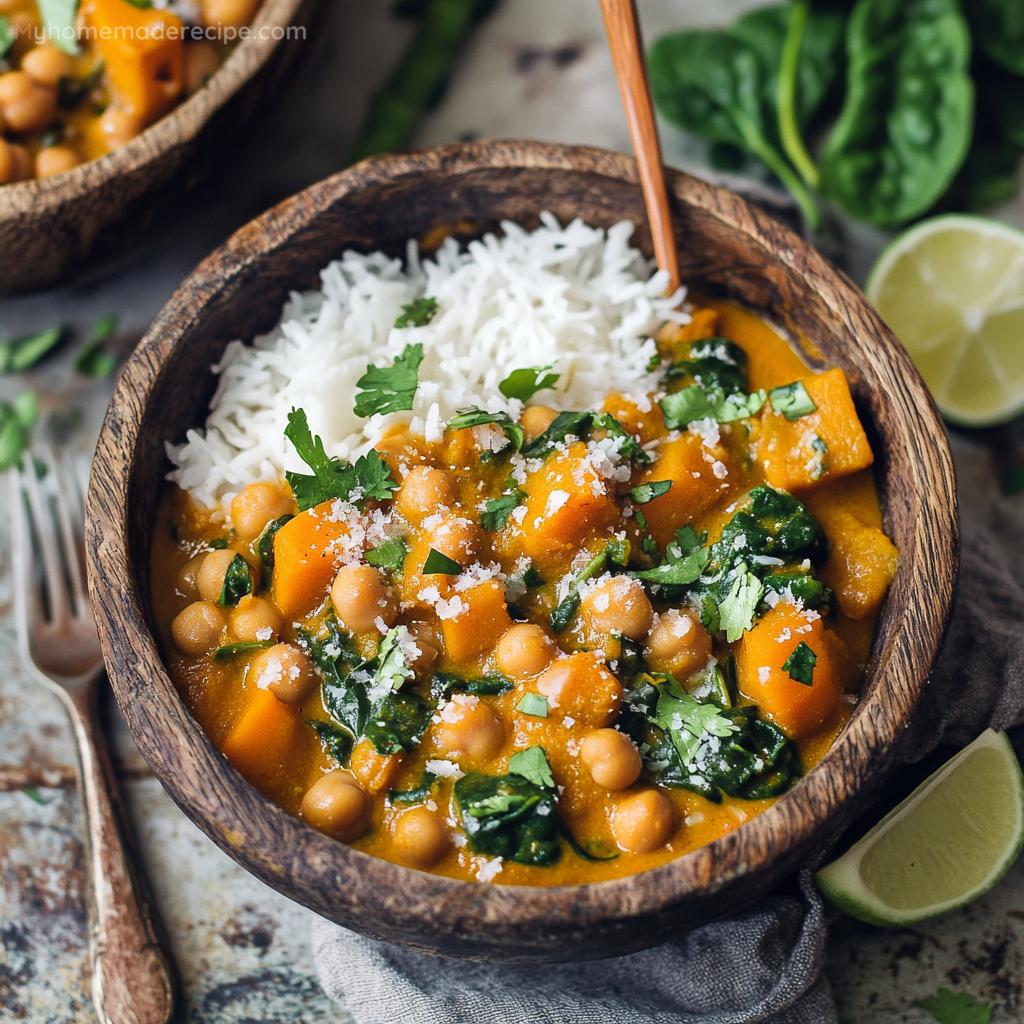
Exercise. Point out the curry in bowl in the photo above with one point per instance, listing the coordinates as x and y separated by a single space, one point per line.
590 623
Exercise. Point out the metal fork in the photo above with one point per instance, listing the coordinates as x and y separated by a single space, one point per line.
131 978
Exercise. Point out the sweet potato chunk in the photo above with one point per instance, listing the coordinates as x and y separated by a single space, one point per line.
478 624
567 499
674 339
143 49
645 425
817 448
374 771
696 483
797 709
862 562
261 741
305 560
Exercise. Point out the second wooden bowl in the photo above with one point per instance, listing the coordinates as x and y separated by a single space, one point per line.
726 248
83 221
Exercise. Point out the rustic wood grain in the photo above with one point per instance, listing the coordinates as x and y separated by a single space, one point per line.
82 221
622 26
731 250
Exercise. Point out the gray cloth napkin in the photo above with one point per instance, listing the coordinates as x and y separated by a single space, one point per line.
760 966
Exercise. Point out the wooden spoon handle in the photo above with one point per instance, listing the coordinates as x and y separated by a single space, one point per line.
131 980
623 28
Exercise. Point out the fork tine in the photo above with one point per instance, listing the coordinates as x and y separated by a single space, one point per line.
28 608
68 515
56 588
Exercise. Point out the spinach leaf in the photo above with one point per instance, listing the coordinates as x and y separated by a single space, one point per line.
532 764
905 126
617 552
237 582
398 722
678 573
629 446
336 742
497 511
368 479
799 585
418 313
444 684
716 84
580 850
533 704
644 493
478 417
229 651
998 28
390 388
408 797
440 564
509 817
564 425
525 383
714 363
792 401
59 22
694 403
800 664
265 546
389 554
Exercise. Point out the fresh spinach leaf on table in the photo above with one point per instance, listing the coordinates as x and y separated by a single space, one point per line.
906 123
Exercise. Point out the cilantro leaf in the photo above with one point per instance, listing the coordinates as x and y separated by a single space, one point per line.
792 400
368 479
389 554
563 426
533 704
497 511
478 417
688 722
418 313
679 573
438 563
955 1008
736 612
390 388
525 383
532 764
694 403
688 541
800 664
392 668
644 493
629 446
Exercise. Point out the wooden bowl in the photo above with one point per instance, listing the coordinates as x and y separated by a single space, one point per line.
85 219
726 248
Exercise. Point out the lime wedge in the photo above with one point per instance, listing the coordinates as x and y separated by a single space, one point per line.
952 290
950 841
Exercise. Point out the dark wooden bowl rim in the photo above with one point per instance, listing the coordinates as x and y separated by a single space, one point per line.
451 917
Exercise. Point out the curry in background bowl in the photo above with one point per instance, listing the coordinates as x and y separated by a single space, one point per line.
755 275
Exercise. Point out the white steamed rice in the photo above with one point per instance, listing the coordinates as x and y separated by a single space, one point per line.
578 297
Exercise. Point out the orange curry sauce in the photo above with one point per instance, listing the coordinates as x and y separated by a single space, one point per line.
271 743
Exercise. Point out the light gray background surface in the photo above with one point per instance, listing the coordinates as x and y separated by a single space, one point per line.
537 69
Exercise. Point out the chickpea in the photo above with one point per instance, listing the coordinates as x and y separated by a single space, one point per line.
424 492
31 106
24 166
186 582
253 617
234 13
536 419
612 759
427 642
524 650
286 672
210 578
201 60
374 771
197 629
470 727
119 127
644 821
581 687
679 644
253 508
335 805
460 539
56 160
361 596
421 838
48 65
619 605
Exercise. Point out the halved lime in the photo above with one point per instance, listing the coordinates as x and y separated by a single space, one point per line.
950 841
952 290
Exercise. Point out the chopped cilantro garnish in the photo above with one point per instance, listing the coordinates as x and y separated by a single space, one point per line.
392 668
688 722
533 704
792 400
525 383
418 313
478 417
678 573
533 579
616 551
497 511
800 664
644 493
389 554
694 403
955 1008
390 388
439 563
736 612
532 764
369 478
688 539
